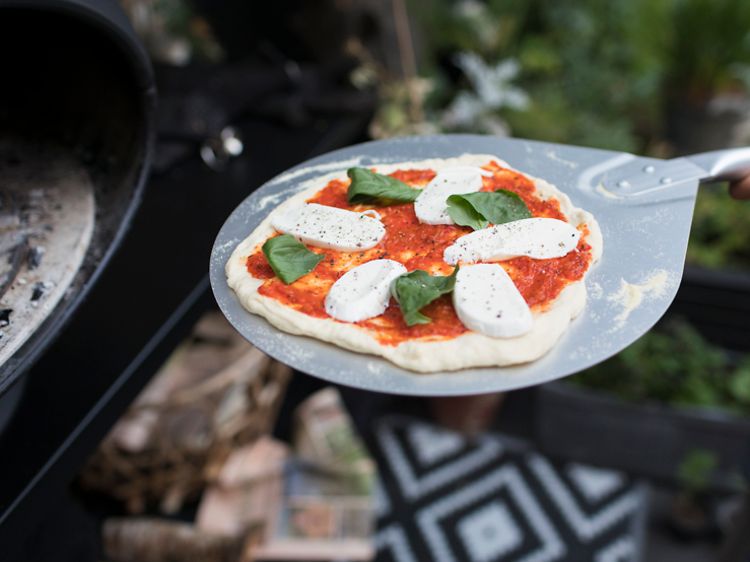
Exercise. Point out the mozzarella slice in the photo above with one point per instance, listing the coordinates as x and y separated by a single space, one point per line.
431 207
330 227
537 238
364 291
487 301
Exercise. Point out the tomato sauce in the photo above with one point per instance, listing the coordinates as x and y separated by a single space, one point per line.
421 246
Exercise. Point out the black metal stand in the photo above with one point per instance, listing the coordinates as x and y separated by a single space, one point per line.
144 304
736 546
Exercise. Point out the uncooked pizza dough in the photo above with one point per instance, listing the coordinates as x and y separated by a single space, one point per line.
470 349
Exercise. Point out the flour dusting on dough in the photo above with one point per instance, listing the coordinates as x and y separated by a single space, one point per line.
331 166
595 290
293 350
552 155
228 245
375 368
631 295
276 198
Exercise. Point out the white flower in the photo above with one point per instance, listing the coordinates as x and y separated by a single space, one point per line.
470 9
476 109
492 84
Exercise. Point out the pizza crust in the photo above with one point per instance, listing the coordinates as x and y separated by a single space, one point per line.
467 350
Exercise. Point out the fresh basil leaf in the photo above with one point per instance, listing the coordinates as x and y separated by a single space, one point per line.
417 289
367 186
289 258
463 212
479 209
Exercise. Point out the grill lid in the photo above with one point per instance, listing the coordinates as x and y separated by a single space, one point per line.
76 135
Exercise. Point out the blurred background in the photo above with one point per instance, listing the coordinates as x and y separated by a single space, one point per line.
246 90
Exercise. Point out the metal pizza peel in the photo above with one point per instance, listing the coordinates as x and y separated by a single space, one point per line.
644 207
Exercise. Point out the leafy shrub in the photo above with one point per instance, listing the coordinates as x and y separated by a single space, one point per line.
720 233
675 365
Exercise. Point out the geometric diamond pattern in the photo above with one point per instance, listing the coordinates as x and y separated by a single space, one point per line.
432 518
489 532
622 550
432 444
594 483
587 525
415 481
444 497
391 542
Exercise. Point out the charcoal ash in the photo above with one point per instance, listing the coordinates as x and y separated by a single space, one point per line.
38 291
34 257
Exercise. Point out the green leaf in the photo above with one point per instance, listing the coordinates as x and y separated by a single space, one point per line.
417 289
463 212
479 209
739 384
695 469
289 258
367 186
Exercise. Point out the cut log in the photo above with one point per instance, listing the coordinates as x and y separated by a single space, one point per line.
158 540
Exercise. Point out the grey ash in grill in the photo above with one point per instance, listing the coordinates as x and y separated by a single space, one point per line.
34 258
47 215
24 220
38 291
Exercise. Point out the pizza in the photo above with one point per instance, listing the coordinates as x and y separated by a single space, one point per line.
441 264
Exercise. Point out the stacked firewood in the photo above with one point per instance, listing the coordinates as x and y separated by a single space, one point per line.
199 434
215 393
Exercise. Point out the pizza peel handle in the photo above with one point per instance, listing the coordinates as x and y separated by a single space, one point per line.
634 179
645 227
724 165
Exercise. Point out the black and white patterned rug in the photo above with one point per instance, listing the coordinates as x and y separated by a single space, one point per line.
446 498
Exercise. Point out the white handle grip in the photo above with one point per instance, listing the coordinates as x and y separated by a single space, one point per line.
724 165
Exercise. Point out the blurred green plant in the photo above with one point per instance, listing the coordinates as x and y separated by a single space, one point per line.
486 28
173 31
695 470
675 365
492 89
720 233
597 73
395 115
574 63
709 41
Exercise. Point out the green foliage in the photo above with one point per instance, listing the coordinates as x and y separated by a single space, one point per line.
739 385
675 365
485 28
720 233
598 73
581 90
694 472
173 31
709 37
